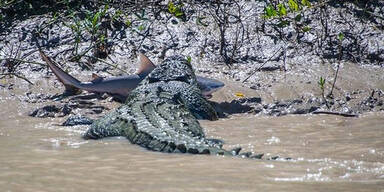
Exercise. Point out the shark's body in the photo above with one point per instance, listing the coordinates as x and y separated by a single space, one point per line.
121 86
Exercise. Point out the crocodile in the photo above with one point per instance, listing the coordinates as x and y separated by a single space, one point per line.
162 113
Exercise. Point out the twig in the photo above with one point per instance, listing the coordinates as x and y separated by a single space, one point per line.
24 61
145 34
335 113
107 63
16 75
79 56
261 65
334 80
371 13
285 59
338 66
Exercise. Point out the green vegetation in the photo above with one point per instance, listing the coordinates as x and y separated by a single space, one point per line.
321 84
76 29
288 12
280 9
189 59
234 31
176 10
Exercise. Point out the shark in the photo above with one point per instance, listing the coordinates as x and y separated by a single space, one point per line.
120 86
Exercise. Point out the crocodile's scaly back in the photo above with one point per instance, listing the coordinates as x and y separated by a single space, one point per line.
161 113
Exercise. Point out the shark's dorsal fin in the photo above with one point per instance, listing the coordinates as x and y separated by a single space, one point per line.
145 65
96 78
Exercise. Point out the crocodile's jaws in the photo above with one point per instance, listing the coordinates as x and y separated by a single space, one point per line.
161 113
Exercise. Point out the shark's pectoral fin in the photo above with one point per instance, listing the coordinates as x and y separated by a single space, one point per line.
209 96
71 90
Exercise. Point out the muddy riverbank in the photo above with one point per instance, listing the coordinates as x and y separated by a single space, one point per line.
269 68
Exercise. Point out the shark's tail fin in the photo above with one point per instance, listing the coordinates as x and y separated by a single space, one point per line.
70 83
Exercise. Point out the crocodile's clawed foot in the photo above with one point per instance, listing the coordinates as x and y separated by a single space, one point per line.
257 156
67 93
236 151
279 158
215 142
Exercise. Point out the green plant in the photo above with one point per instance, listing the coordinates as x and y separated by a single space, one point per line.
128 23
288 13
306 28
306 3
269 12
176 10
280 10
189 59
321 84
91 22
340 37
117 15
293 5
76 29
141 27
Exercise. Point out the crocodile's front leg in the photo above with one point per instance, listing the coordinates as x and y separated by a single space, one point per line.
190 96
116 123
198 105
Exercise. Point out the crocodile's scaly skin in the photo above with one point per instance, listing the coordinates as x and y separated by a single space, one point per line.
161 113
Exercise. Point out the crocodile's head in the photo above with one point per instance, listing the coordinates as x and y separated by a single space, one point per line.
174 68
175 82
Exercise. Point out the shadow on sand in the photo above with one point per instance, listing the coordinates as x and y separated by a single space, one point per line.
237 106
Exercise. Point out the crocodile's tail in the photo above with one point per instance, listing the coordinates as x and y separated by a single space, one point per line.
114 125
212 150
147 141
70 83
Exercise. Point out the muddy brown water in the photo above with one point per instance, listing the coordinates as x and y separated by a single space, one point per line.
330 153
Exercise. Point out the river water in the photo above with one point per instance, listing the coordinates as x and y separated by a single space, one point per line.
329 153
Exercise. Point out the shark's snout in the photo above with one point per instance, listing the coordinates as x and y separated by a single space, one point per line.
208 85
217 84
